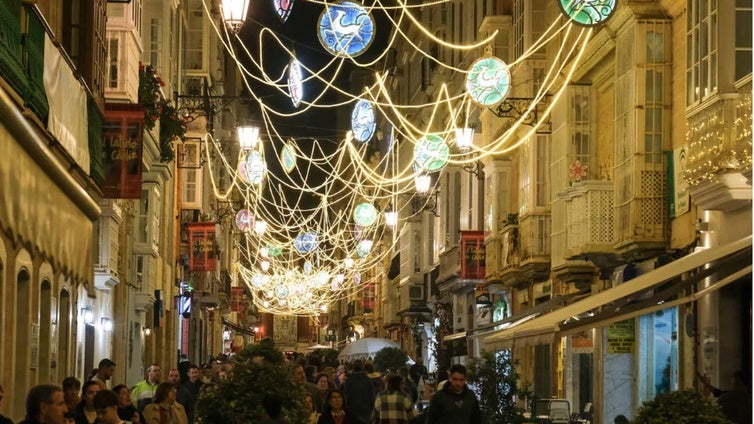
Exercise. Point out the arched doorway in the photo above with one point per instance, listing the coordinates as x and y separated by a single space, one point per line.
23 339
64 334
45 331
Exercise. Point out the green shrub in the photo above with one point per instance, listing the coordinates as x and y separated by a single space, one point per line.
495 382
681 407
390 359
258 370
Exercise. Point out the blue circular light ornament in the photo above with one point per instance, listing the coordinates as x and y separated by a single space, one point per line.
431 153
244 220
255 168
288 157
362 121
345 29
587 13
295 82
365 214
306 242
489 81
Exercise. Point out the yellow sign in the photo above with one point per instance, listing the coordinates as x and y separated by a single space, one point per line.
621 337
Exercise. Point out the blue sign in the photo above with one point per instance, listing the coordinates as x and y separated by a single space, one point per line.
362 121
346 29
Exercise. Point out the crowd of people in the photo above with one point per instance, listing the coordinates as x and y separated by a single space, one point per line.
337 393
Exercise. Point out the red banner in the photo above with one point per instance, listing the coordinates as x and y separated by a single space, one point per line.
237 301
122 134
202 242
472 255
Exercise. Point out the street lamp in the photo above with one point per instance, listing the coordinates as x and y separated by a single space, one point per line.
248 136
234 13
391 218
88 315
422 181
464 138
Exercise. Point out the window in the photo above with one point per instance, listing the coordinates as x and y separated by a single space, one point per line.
518 29
743 39
192 188
142 219
702 49
581 136
542 166
154 43
113 56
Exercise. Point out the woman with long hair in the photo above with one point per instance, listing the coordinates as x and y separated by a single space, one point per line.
164 409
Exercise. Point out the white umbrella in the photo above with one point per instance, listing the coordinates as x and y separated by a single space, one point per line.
363 348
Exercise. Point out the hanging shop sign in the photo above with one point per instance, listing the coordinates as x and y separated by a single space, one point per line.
482 295
122 134
202 242
621 336
472 255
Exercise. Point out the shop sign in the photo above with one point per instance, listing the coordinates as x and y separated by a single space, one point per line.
472 255
482 294
621 336
679 190
122 135
202 242
582 342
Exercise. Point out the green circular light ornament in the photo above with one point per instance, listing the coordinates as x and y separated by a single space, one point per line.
281 291
288 157
431 153
489 81
365 214
587 13
274 250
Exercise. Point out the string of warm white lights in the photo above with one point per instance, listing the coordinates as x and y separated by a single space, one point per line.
314 233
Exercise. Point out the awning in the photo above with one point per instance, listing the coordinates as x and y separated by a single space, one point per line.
454 336
237 328
730 262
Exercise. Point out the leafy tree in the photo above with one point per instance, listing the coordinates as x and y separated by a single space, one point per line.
493 378
390 359
680 407
258 370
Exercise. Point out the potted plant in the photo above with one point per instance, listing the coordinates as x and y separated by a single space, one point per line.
157 108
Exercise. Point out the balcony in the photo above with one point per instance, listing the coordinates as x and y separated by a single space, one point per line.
11 63
719 151
33 47
534 242
450 268
589 219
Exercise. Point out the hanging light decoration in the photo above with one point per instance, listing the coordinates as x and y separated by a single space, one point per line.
234 13
431 153
365 214
248 136
260 227
391 218
464 138
422 181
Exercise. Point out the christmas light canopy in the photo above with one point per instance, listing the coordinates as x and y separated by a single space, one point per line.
346 29
488 81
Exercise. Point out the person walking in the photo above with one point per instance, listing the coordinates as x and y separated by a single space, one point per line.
105 370
106 405
359 395
126 410
71 392
45 405
142 393
334 412
455 403
188 392
85 411
164 409
392 406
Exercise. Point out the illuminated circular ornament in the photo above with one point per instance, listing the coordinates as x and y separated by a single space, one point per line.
431 153
306 242
322 278
255 167
244 220
273 250
362 121
281 291
242 174
364 214
345 29
364 247
295 82
283 9
288 157
307 267
357 278
489 81
257 281
587 13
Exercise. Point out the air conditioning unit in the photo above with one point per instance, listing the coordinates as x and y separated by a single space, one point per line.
416 292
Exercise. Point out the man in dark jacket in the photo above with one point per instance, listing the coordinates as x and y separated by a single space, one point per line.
359 394
455 403
45 404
